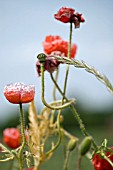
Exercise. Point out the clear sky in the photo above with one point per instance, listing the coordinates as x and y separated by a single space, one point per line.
23 27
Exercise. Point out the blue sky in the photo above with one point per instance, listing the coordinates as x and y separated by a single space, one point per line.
24 25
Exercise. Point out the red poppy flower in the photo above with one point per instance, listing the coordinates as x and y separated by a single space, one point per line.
19 93
100 163
66 15
56 43
11 137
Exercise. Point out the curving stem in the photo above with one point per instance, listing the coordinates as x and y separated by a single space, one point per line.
43 99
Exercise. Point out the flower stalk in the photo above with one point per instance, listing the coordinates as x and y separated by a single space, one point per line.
69 55
22 121
67 160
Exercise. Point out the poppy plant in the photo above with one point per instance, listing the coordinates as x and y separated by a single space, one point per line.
19 93
12 137
57 44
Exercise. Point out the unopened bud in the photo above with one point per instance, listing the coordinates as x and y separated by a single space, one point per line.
72 144
85 145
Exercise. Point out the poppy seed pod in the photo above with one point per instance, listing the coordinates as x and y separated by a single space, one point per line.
41 57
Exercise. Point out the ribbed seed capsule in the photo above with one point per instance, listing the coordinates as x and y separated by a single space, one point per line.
85 145
41 57
72 144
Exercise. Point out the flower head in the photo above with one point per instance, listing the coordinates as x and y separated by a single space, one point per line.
12 137
100 163
66 15
19 93
56 43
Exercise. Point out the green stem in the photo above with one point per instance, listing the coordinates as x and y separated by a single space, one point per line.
43 99
108 160
20 159
54 89
67 160
69 55
79 162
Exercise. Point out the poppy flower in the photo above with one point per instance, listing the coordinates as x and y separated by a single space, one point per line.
56 43
19 93
64 14
12 137
67 15
100 163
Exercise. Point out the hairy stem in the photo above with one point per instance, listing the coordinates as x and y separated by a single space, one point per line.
79 162
69 55
66 160
20 159
54 89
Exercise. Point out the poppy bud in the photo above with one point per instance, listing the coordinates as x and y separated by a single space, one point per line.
72 144
85 145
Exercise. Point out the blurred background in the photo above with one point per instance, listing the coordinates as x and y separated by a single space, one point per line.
23 27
